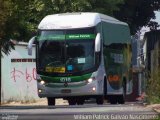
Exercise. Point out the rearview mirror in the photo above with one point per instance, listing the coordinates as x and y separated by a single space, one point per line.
31 41
98 43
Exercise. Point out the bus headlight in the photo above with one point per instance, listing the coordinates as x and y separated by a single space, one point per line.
39 90
94 88
91 79
42 82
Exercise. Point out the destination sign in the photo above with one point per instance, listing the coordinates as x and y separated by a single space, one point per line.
67 37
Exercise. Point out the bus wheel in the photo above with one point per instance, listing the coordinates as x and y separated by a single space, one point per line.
100 100
121 99
113 99
80 101
105 88
72 101
51 101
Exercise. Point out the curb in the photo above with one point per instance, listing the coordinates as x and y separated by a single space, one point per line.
154 109
158 111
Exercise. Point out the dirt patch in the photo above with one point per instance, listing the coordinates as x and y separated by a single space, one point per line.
42 101
155 107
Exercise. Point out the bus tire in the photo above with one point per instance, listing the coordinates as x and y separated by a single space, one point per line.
105 88
121 99
51 101
72 101
80 101
113 99
100 100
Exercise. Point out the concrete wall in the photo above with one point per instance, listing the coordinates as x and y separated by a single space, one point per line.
19 75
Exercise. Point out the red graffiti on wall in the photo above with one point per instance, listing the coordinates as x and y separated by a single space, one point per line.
27 74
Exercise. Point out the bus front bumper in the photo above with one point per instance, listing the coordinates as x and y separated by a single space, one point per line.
89 89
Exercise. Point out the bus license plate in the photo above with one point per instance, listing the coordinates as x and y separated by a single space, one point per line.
65 91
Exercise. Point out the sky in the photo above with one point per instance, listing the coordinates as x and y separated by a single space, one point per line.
157 16
146 29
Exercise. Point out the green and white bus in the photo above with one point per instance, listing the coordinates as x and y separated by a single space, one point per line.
81 56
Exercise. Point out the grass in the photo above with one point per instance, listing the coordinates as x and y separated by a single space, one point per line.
153 87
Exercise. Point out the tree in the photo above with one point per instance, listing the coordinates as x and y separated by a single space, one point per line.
153 25
4 13
137 13
105 6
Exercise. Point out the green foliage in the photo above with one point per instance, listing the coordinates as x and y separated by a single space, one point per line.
5 12
106 6
153 87
137 13
153 25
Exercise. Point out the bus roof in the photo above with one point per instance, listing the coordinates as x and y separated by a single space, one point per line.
75 20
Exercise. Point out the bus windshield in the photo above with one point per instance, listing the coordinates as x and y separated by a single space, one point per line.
65 51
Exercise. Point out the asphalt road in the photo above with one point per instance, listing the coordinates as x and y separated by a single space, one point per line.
132 111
